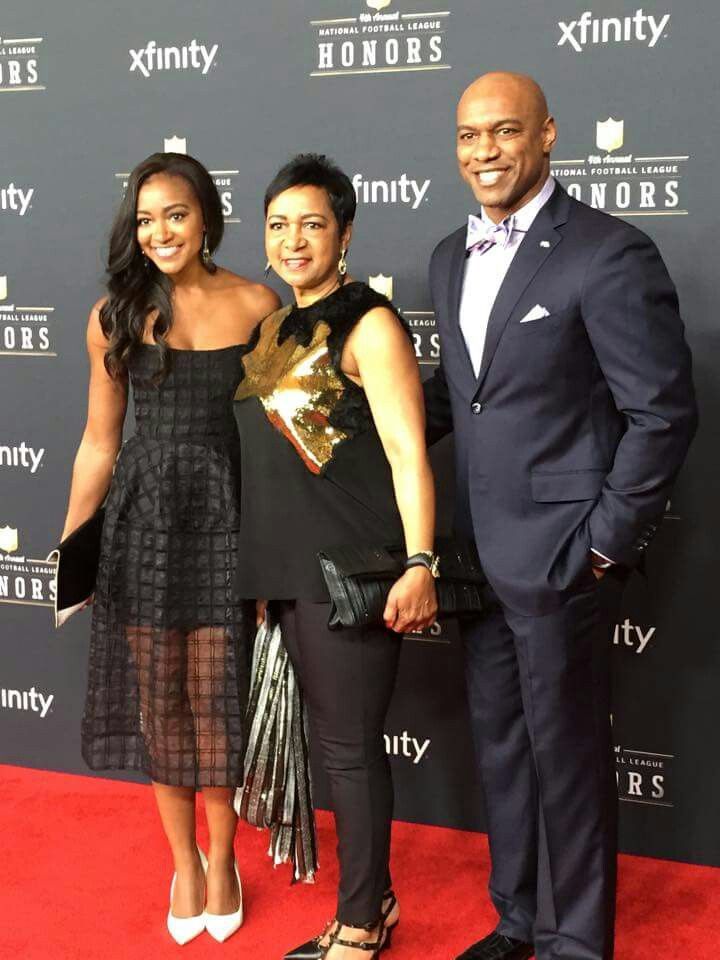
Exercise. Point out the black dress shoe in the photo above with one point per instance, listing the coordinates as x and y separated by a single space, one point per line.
496 946
308 951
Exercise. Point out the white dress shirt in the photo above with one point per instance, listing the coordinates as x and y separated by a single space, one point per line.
485 272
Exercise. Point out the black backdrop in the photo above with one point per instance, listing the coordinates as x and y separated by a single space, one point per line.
87 90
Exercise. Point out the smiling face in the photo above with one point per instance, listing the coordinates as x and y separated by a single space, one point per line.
504 139
303 240
169 223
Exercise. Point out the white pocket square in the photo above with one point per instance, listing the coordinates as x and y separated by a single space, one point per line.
537 313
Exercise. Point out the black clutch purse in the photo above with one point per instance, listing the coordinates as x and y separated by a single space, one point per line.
359 579
77 559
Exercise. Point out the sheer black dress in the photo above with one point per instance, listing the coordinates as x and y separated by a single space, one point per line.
169 650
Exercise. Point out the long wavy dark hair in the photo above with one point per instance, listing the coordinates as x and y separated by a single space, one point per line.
135 286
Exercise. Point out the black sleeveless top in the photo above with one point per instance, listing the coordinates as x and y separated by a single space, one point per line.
314 473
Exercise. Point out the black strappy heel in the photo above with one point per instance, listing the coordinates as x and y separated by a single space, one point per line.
376 946
312 950
388 895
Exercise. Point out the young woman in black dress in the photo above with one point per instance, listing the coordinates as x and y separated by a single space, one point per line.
332 409
168 669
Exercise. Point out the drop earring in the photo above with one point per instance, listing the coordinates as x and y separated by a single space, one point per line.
268 268
205 251
342 263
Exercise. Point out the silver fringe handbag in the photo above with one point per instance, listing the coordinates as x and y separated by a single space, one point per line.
277 792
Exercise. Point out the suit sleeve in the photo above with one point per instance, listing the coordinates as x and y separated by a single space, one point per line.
630 311
438 411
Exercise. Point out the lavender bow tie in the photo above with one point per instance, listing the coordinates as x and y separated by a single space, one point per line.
482 235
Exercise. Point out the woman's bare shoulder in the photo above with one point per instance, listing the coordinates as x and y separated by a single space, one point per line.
255 298
380 321
95 333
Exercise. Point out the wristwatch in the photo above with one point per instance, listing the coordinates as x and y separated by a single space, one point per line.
425 558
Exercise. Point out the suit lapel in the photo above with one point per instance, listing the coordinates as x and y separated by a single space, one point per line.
539 242
455 285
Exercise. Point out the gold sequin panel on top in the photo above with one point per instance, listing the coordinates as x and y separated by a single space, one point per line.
298 387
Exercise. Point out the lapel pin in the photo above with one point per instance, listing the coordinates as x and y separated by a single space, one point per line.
544 243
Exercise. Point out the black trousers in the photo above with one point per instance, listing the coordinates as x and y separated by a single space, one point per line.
539 694
347 678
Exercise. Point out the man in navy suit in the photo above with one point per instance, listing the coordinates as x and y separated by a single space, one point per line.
566 380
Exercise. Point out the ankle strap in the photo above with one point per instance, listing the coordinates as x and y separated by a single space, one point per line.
367 945
388 895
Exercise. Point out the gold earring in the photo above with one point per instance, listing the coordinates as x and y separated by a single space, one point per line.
342 263
205 252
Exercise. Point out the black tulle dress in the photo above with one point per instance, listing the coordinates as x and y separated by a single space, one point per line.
170 644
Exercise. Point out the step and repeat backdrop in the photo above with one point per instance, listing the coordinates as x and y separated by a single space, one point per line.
87 90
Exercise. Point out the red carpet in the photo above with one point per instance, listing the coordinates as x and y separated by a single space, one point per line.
85 874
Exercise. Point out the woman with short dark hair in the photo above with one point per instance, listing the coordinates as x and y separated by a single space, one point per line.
332 409
168 671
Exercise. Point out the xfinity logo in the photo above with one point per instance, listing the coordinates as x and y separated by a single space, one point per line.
193 56
16 199
629 635
403 745
403 190
21 456
589 29
31 700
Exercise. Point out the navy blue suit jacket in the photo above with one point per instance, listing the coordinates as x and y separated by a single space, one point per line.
574 430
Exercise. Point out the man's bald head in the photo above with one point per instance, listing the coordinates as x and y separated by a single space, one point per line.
522 88
504 139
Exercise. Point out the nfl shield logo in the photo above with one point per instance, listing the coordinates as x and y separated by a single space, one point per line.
378 4
3 288
8 539
382 284
175 144
609 134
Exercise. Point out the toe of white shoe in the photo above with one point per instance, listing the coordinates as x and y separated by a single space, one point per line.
185 929
222 926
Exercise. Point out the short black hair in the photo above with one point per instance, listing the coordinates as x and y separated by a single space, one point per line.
316 170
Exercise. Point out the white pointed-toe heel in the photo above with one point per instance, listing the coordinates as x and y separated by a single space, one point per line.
185 929
220 926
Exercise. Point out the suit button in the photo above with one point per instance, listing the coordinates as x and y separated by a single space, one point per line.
476 407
